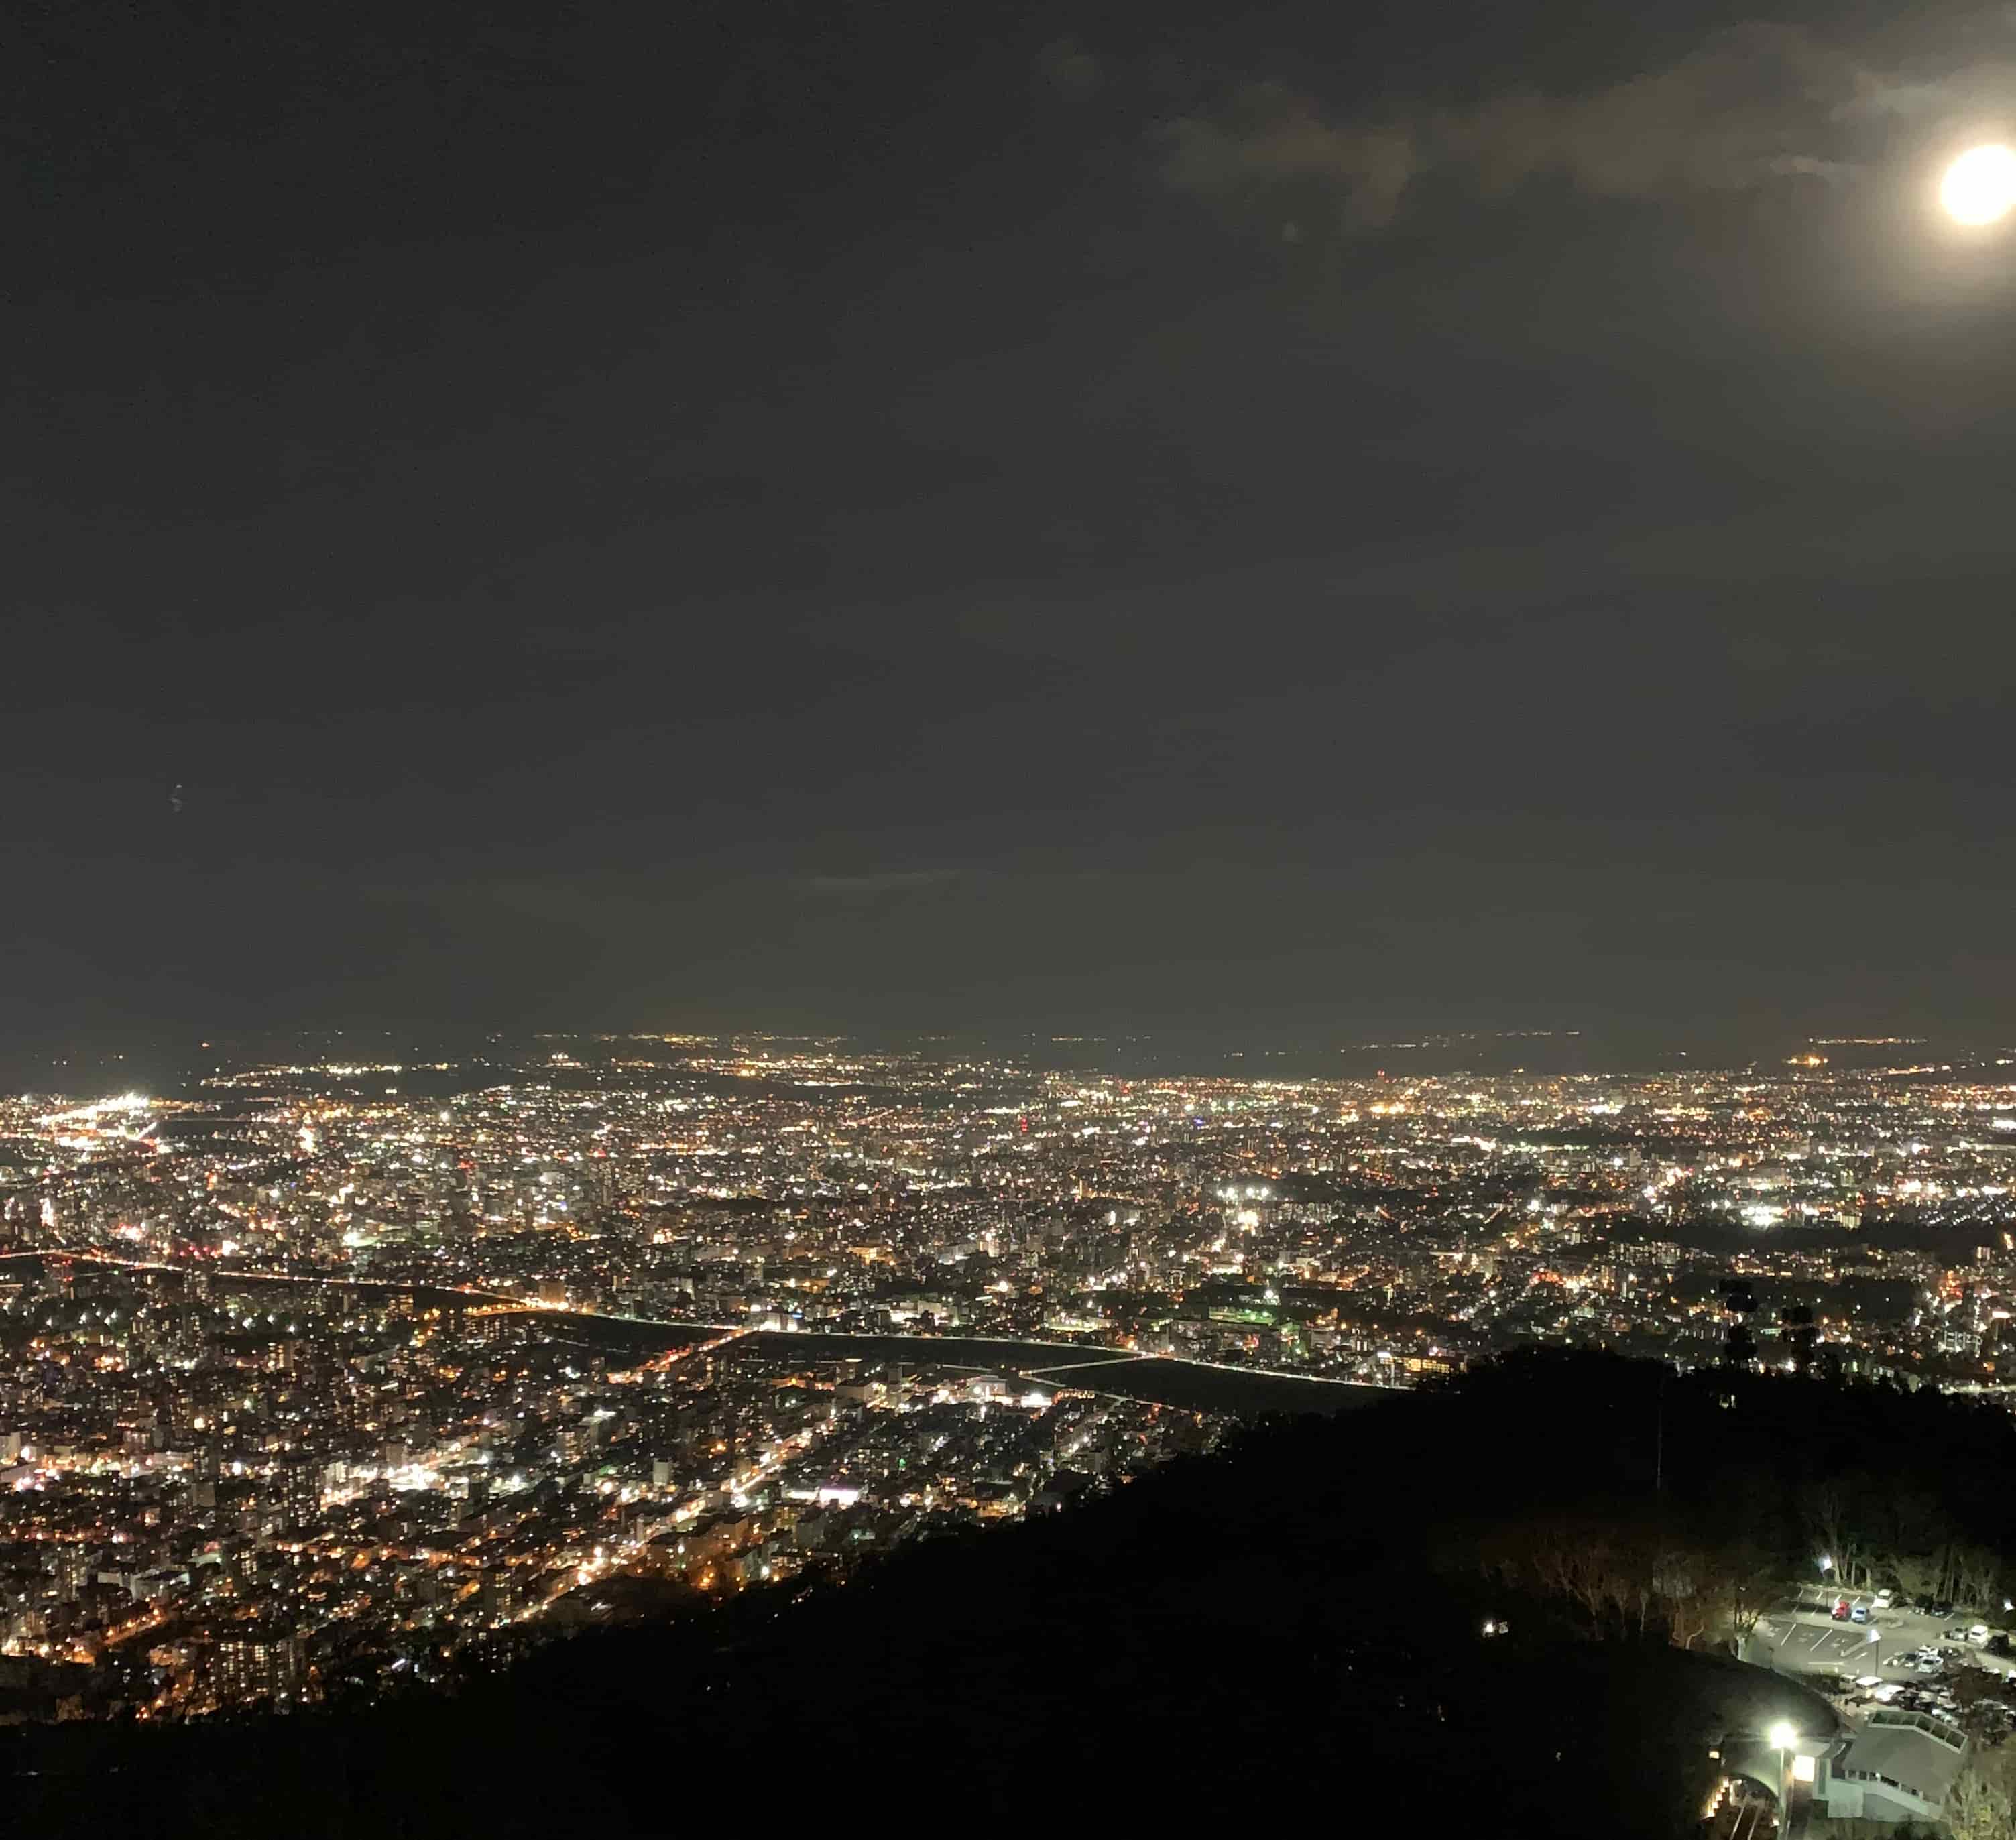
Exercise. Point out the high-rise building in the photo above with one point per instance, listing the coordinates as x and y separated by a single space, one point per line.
258 1662
297 1490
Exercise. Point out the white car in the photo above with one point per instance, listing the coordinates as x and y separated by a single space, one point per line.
1885 1597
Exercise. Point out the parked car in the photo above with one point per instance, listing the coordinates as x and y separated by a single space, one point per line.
1885 1597
1840 1611
1858 1612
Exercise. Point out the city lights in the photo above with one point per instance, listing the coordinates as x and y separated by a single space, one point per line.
519 1348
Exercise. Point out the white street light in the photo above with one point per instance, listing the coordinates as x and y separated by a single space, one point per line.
1781 1738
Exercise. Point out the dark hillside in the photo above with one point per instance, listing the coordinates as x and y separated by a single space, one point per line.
1297 1622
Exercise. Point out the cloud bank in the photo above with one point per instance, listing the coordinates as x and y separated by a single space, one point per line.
1750 107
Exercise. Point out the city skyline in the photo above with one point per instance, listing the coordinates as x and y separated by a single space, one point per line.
84 1066
339 1372
1026 912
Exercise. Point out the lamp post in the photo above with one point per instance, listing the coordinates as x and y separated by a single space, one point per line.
1781 1738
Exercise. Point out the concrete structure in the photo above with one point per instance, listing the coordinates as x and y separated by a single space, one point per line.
1899 1766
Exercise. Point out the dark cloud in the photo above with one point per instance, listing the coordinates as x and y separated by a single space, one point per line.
1749 106
761 519
1269 135
1070 69
880 882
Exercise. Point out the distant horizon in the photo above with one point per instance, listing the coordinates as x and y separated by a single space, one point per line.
111 1063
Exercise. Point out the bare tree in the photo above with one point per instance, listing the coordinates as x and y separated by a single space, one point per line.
1824 1507
1981 1804
1743 1577
1917 1573
1979 1575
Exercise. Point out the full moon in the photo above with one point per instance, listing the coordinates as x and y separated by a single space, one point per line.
1980 186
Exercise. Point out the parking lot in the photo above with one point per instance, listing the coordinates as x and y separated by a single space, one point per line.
1809 1644
1897 1629
1901 1658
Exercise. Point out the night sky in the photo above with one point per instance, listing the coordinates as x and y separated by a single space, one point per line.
1315 519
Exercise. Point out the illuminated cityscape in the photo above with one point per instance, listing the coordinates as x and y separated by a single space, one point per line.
324 1373
1086 917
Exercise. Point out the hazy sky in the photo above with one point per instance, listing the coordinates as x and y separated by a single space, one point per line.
1326 517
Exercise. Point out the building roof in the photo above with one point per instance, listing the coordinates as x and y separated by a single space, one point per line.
1908 1749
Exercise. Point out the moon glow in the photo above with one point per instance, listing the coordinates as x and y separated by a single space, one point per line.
1980 186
